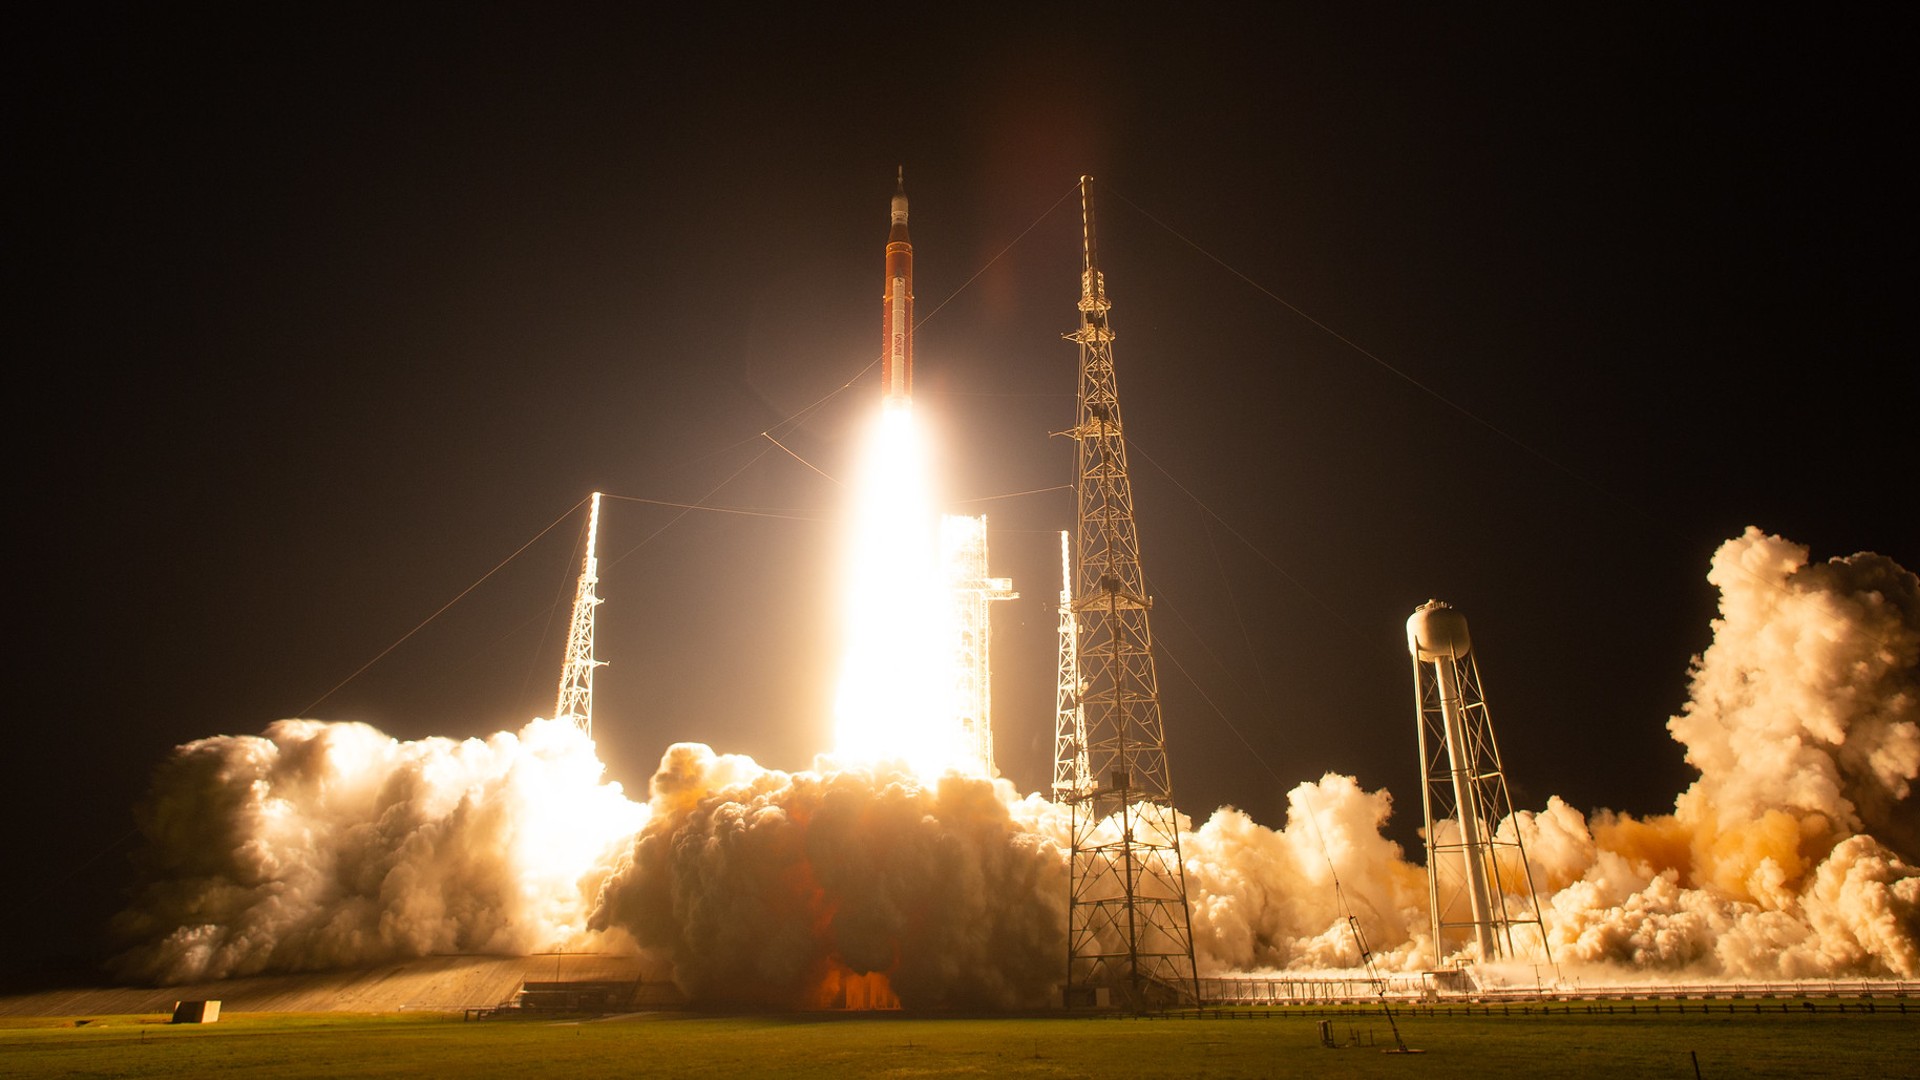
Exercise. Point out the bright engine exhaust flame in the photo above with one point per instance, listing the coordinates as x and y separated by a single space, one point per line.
895 702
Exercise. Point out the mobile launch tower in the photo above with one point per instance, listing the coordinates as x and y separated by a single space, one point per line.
1070 769
1464 796
1129 931
963 550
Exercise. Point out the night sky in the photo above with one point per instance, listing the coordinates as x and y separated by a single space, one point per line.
323 313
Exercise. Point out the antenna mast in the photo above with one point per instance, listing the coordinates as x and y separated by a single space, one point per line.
575 701
1129 931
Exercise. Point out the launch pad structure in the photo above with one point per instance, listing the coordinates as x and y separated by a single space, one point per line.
1129 930
1129 933
1070 769
963 549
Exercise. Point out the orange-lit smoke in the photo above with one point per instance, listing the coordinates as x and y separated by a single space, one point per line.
773 888
321 845
1793 855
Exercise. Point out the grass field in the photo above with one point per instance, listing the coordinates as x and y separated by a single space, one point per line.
283 1046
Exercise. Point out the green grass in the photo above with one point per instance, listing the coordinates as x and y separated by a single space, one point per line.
284 1047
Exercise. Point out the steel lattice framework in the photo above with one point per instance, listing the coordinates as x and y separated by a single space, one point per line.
1069 722
963 549
1472 863
575 700
1129 929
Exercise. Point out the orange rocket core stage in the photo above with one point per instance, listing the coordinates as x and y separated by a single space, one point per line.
896 359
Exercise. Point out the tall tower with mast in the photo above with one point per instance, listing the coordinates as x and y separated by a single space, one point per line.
575 701
1129 931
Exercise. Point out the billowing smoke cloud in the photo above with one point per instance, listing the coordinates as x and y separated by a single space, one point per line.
1807 704
1792 855
322 845
770 888
1266 899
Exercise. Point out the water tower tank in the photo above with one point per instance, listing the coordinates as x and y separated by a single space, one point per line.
1436 631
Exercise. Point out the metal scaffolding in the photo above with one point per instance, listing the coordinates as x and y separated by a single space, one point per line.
1129 929
963 549
1069 720
575 700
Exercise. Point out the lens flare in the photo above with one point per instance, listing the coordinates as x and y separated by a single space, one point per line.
895 702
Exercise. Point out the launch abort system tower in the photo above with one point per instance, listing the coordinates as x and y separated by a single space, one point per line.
1464 796
1129 931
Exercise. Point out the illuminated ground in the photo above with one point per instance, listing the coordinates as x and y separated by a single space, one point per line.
1801 1043
428 984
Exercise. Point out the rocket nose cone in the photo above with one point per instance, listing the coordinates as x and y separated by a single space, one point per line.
900 196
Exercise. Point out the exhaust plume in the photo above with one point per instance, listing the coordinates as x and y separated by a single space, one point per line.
322 845
770 888
1792 855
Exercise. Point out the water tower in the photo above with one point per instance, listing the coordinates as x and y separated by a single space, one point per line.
1478 880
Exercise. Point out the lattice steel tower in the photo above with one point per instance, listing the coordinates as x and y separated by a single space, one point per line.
1464 797
1069 720
575 701
1128 926
963 551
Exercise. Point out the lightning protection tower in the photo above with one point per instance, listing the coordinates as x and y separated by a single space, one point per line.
1128 927
1464 796
575 701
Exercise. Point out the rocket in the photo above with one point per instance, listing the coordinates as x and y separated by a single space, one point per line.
896 361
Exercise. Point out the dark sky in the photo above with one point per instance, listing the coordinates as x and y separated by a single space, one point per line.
321 313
